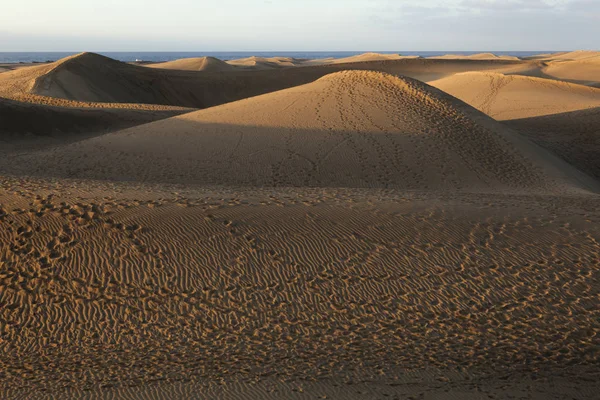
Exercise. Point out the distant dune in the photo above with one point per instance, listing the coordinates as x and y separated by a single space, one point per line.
91 78
581 67
350 129
480 56
265 63
209 64
577 55
506 97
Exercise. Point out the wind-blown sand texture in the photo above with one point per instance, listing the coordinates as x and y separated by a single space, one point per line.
338 231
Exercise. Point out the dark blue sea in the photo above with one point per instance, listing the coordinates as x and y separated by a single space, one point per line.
28 57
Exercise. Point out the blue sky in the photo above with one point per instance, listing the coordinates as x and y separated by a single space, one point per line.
296 25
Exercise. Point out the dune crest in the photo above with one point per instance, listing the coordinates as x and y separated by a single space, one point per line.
348 129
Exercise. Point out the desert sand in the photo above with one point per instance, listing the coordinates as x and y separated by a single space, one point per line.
335 229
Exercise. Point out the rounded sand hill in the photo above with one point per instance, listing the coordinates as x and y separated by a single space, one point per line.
208 64
85 77
348 129
506 97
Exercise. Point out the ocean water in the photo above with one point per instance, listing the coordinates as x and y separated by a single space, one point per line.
28 57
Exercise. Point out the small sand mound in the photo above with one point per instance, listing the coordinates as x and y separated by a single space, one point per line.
505 97
348 129
208 64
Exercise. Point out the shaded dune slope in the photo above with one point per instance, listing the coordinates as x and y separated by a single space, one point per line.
349 129
505 97
18 119
573 136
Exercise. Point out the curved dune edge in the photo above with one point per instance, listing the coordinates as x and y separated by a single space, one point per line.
506 97
348 129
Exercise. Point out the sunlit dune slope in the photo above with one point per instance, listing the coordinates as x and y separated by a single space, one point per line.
505 97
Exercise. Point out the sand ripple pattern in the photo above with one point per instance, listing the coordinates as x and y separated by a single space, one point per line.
112 293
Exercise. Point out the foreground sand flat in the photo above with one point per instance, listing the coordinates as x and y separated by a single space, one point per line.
132 289
285 229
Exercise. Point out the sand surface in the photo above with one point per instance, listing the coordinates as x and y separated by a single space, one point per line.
335 231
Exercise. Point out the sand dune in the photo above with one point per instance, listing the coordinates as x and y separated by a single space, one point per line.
505 97
577 55
367 57
19 120
265 63
480 56
210 64
585 71
90 78
349 129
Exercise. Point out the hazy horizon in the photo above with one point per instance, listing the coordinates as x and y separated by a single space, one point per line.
309 25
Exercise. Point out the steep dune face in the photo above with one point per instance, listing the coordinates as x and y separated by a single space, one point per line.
506 97
349 129
19 119
208 64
